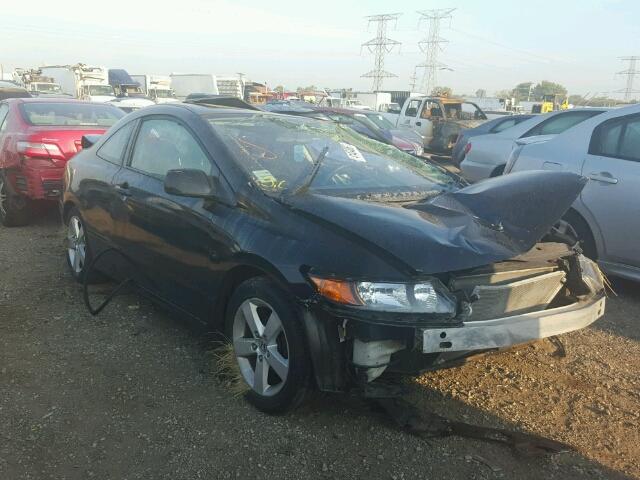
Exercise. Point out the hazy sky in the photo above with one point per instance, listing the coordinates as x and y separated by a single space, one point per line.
492 44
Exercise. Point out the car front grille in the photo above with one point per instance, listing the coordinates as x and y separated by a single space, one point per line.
515 297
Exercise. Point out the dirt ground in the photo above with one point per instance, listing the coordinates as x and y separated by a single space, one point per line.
131 394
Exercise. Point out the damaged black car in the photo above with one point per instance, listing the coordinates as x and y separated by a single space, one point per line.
327 258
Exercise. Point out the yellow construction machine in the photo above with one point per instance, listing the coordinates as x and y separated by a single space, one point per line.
551 103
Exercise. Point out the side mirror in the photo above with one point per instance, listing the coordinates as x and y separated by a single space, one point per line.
189 182
87 141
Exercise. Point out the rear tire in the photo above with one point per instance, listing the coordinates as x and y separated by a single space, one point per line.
14 208
79 254
269 344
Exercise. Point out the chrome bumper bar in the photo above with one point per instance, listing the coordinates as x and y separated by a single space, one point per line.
508 331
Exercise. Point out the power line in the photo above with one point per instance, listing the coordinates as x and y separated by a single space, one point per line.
631 74
432 45
380 46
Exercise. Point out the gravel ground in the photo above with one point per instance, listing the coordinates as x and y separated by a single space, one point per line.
131 394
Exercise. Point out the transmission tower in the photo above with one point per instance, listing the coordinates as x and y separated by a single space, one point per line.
413 80
431 46
631 74
380 46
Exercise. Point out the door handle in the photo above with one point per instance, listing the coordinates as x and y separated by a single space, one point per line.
419 124
604 177
123 189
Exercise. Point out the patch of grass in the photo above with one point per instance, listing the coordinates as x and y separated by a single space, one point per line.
227 370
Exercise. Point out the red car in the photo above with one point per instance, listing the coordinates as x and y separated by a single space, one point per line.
37 138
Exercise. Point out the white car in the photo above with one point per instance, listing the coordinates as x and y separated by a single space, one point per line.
488 154
605 218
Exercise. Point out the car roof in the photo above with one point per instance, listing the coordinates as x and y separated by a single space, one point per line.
196 108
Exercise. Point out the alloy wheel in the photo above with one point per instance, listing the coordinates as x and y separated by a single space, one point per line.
261 347
76 244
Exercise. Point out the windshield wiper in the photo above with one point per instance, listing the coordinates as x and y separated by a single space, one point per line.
312 174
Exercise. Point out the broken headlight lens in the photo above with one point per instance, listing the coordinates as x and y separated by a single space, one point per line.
404 297
591 274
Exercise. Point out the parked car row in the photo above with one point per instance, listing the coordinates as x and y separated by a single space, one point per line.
487 155
368 123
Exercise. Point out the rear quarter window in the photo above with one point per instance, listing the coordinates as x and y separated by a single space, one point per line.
617 138
559 123
113 149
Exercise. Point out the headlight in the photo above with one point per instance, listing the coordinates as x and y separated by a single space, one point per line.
591 274
424 297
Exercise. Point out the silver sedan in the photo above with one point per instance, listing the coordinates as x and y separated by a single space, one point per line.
487 154
606 216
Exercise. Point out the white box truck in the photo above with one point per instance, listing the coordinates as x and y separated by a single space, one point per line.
156 87
81 81
378 101
184 84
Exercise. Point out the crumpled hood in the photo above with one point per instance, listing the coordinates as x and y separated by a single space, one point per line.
483 223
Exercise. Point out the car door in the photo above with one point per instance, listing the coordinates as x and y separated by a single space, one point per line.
411 118
171 240
611 195
613 168
101 206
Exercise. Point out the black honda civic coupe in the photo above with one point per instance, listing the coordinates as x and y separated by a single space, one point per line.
327 258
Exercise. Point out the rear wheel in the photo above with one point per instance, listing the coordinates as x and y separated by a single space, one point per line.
79 254
269 345
14 208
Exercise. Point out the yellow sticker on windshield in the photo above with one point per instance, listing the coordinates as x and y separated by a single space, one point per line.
266 179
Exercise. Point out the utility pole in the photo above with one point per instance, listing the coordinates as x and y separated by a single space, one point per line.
630 73
431 46
380 46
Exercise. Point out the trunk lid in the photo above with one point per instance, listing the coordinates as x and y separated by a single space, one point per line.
67 139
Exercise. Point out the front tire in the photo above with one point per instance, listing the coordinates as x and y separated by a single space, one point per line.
269 345
14 208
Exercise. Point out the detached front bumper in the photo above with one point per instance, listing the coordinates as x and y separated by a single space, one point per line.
513 330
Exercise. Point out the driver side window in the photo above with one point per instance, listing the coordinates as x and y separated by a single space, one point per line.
164 145
412 108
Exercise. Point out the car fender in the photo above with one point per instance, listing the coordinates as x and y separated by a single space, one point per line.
583 210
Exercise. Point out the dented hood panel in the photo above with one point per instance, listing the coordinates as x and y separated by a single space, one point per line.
483 223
